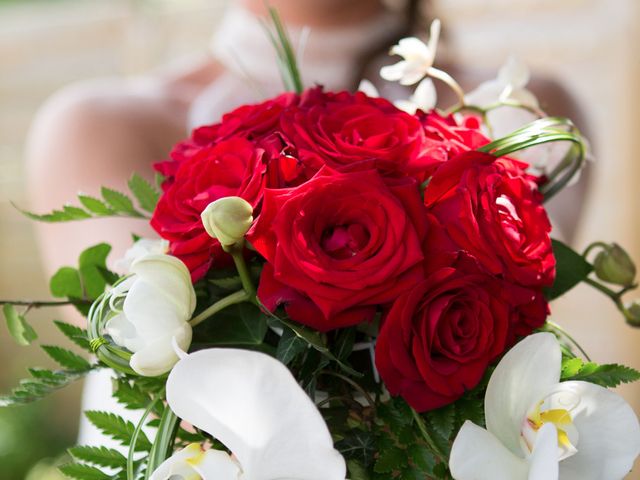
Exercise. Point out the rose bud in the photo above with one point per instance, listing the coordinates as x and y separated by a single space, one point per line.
228 219
613 265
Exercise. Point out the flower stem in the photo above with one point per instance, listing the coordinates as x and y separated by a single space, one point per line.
236 252
47 303
134 439
236 297
427 437
563 332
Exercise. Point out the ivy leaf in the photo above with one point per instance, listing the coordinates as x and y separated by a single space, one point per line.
80 471
119 202
571 269
607 375
289 346
66 358
66 283
20 330
76 334
117 428
144 192
101 456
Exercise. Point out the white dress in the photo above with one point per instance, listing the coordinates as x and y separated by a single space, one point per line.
328 57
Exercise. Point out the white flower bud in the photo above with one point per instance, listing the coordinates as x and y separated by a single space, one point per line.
159 302
228 219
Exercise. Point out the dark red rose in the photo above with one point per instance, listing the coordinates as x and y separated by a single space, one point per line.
229 168
445 138
353 132
491 208
341 241
438 338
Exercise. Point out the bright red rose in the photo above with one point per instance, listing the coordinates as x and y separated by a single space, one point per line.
229 168
340 241
491 208
446 138
438 338
351 131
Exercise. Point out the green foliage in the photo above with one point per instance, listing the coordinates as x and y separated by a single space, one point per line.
76 334
118 428
237 325
67 359
100 456
42 383
83 472
19 329
571 269
606 375
289 346
112 204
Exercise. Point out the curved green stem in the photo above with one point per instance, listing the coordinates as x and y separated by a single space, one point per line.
590 248
163 443
615 296
566 334
236 297
427 437
134 439
355 385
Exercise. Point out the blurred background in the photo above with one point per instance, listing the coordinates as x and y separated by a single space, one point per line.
590 46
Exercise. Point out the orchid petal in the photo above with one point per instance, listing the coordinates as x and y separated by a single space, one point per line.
523 377
159 356
253 405
514 73
368 88
425 96
543 462
393 72
609 433
478 455
192 463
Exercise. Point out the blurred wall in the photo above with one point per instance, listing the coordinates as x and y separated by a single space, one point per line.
590 45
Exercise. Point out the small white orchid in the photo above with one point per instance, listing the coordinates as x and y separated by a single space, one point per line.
142 247
159 301
424 97
541 429
253 405
417 58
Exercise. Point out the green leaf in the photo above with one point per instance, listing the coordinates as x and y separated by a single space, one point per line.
422 458
607 375
571 269
80 471
357 471
20 330
442 420
289 346
42 384
119 202
101 456
66 283
144 192
131 396
92 263
94 205
390 460
76 334
117 428
240 324
67 358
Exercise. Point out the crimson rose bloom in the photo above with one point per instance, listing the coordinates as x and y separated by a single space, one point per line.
439 337
492 209
229 168
339 243
350 131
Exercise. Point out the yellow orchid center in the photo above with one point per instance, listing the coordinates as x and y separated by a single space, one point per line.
560 417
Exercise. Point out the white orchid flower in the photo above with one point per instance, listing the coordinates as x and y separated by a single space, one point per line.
159 301
541 429
424 97
253 405
417 58
142 247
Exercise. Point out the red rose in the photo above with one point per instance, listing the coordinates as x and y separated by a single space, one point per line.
445 139
439 337
353 131
339 242
230 168
492 209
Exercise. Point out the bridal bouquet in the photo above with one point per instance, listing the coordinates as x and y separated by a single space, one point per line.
347 287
